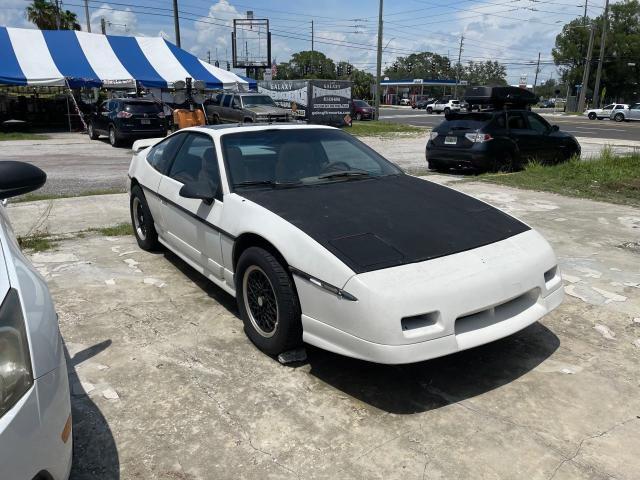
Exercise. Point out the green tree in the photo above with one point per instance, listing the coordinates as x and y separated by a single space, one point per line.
307 64
44 14
484 73
362 81
424 65
621 67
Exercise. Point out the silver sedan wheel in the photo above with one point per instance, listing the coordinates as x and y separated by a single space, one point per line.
260 301
138 219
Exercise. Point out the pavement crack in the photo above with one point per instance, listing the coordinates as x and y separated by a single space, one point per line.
585 439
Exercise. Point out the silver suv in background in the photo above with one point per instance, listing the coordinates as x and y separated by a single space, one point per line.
244 108
627 114
444 106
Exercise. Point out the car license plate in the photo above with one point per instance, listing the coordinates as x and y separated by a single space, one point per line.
145 121
450 140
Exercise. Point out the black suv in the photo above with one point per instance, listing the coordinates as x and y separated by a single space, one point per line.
127 119
502 138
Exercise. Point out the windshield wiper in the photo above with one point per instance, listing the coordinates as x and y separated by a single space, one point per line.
345 174
271 183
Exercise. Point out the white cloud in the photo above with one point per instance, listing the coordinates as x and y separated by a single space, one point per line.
214 31
13 14
119 22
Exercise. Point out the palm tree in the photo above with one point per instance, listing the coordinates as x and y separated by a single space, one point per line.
44 14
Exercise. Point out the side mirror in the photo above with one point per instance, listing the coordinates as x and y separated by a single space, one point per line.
18 178
204 191
555 128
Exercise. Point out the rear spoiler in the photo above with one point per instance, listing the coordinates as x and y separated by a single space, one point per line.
140 145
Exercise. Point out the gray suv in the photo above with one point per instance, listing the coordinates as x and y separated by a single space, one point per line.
244 108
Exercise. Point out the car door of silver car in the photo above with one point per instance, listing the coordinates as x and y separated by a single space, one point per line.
634 112
191 225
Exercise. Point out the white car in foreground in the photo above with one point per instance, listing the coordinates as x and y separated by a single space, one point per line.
35 411
323 241
604 112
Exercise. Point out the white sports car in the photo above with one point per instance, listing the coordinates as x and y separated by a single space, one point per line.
323 241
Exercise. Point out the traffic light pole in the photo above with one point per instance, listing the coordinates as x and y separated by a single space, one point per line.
379 63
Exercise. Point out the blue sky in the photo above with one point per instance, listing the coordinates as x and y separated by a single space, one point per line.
510 31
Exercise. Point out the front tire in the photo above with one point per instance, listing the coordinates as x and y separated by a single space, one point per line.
592 116
143 226
358 116
429 110
268 302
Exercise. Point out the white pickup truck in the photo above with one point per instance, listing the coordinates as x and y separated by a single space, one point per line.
443 106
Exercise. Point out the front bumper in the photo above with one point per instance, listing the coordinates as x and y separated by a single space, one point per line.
429 309
30 433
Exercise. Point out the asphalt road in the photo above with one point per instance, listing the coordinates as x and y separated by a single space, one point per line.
578 126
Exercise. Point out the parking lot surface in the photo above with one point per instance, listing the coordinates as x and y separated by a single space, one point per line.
76 165
166 385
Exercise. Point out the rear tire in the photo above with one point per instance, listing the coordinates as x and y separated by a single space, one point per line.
592 116
114 138
142 221
91 131
268 302
619 117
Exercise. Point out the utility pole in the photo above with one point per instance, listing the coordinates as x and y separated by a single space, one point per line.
603 41
379 62
86 14
587 67
584 17
176 21
208 56
58 20
458 66
535 82
312 36
103 26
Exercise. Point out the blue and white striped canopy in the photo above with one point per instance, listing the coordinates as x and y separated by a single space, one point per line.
54 57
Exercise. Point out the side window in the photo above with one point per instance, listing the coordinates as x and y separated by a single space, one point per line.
515 121
161 155
500 121
537 123
196 161
226 102
636 107
236 102
619 107
608 107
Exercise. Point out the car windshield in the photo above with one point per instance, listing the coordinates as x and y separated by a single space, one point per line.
299 157
257 100
361 103
142 107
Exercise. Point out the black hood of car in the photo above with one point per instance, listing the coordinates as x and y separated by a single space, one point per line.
388 221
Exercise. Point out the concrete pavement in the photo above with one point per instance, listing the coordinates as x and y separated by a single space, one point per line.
75 165
166 385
